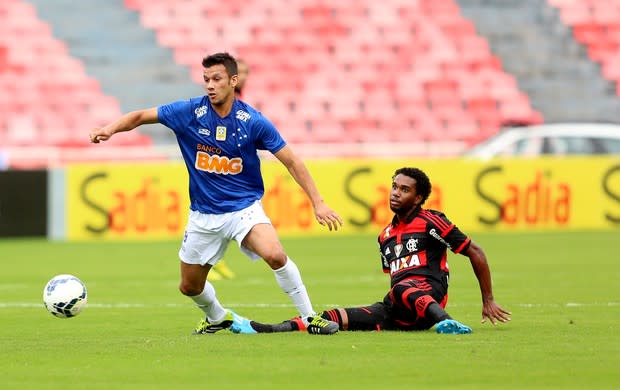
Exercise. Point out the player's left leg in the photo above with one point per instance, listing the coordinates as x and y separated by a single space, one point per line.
257 238
420 298
366 318
263 240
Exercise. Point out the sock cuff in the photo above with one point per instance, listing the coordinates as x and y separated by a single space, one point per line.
289 262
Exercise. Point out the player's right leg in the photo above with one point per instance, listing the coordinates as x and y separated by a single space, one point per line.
216 317
202 246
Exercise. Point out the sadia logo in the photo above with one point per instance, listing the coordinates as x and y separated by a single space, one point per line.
218 164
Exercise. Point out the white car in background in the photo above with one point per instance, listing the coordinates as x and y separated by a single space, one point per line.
560 139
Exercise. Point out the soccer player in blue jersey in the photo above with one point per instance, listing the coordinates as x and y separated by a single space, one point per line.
413 250
221 270
219 136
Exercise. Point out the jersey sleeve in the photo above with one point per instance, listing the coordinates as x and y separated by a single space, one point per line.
444 231
176 116
268 137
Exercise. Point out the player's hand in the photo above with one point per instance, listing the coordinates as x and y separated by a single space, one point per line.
98 134
326 216
494 313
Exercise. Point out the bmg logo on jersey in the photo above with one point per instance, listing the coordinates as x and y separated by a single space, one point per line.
221 165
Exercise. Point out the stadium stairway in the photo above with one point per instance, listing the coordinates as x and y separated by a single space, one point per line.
121 54
550 66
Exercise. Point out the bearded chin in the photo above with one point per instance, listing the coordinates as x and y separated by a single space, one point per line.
396 210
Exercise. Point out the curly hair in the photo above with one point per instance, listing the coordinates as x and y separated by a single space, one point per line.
423 185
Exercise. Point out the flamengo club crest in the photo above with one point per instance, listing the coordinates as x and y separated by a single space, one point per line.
412 245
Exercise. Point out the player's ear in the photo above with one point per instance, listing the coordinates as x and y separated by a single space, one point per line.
234 80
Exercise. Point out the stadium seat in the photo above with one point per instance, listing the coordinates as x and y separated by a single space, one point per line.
324 67
423 42
596 25
44 92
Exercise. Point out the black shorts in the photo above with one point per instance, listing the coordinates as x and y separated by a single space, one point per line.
391 314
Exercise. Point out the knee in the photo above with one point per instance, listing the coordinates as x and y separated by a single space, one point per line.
190 289
276 258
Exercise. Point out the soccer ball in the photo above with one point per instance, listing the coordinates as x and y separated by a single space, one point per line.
65 296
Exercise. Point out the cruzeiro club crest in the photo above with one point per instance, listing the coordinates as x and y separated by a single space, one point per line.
220 133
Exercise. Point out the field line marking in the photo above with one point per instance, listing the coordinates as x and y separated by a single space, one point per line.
7 305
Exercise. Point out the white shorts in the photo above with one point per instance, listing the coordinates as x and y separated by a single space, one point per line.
207 235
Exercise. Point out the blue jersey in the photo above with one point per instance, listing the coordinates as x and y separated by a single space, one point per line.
221 153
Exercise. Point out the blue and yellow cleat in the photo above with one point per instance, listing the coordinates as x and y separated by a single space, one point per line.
452 327
241 325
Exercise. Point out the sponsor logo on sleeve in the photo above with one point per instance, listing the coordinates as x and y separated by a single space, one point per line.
243 116
434 233
200 111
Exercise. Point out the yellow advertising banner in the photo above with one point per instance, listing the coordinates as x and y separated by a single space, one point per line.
129 201
151 201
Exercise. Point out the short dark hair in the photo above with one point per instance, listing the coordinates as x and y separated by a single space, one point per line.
225 59
422 182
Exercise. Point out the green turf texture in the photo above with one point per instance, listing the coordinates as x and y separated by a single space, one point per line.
562 289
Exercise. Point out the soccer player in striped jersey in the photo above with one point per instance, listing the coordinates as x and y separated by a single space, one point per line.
413 250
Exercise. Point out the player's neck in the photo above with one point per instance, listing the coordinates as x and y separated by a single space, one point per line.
223 109
408 215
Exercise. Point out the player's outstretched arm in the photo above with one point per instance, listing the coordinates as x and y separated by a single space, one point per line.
296 167
490 309
126 122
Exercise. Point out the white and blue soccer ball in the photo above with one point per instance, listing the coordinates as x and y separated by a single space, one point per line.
65 296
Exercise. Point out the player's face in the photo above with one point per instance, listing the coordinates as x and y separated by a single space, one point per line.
218 85
403 196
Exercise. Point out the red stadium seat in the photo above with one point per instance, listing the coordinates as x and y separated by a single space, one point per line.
596 24
48 92
346 60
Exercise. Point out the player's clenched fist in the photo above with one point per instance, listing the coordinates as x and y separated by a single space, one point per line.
97 135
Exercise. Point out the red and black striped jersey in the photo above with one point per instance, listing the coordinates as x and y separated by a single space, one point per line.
418 246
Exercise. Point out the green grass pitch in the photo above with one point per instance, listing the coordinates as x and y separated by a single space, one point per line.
562 289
